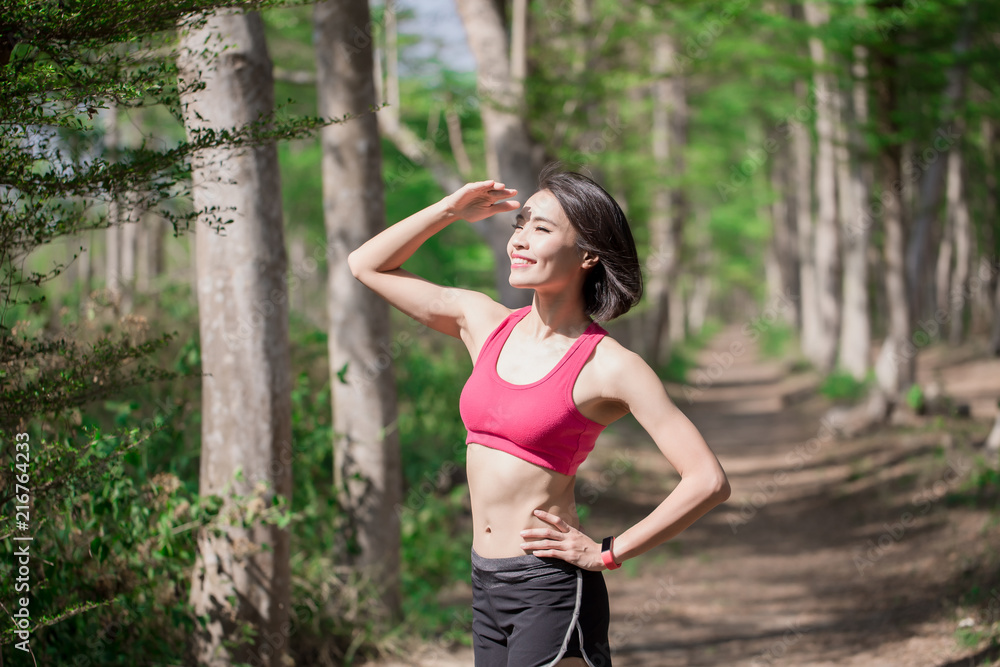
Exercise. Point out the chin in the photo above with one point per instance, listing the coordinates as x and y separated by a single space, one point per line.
518 284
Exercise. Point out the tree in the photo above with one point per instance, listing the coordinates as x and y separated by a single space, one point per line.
669 136
895 368
114 233
367 465
783 278
61 64
242 575
805 232
854 182
823 352
511 154
390 122
995 333
959 232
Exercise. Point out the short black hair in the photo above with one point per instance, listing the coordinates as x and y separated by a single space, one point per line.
614 285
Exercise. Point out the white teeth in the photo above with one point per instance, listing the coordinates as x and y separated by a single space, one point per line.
518 260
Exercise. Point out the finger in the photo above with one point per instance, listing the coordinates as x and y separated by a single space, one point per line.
502 206
537 534
481 185
554 519
497 195
540 545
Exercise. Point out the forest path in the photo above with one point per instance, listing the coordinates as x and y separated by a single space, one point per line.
829 552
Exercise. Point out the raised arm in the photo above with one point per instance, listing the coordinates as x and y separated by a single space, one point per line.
445 309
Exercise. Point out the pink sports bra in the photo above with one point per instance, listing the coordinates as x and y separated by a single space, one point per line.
536 422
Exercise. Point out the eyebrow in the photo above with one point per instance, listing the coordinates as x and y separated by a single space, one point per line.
520 216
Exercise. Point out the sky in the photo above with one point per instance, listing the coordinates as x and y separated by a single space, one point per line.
443 36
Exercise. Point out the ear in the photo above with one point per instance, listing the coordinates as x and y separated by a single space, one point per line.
589 260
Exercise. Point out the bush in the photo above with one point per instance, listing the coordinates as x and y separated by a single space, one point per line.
775 339
842 386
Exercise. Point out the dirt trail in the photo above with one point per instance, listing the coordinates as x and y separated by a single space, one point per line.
829 552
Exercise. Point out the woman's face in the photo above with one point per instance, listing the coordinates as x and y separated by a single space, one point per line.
543 249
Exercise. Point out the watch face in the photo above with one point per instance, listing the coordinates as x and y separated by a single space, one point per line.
606 544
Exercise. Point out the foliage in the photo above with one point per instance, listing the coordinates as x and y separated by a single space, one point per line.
775 339
64 63
915 397
117 543
430 377
842 386
119 507
981 488
683 354
113 535
678 365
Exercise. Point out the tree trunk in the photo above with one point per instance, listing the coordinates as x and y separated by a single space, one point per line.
699 298
367 466
824 353
991 146
242 576
946 250
456 142
85 264
895 367
855 325
424 153
113 233
993 439
958 212
575 38
995 335
678 313
390 122
802 187
519 45
698 303
70 275
151 241
297 291
932 183
783 239
391 57
510 152
772 272
129 240
666 218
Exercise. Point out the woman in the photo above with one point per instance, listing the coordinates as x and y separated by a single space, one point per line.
547 379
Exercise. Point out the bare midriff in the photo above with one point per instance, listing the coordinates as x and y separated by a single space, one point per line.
505 491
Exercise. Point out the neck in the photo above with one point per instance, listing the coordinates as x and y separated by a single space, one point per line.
558 314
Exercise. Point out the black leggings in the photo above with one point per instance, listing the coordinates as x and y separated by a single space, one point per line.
533 612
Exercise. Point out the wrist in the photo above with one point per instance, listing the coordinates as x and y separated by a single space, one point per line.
445 211
607 554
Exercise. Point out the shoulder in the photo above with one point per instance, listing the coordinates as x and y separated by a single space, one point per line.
611 353
624 373
614 360
481 315
478 306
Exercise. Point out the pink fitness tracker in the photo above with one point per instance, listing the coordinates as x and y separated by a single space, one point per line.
606 555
